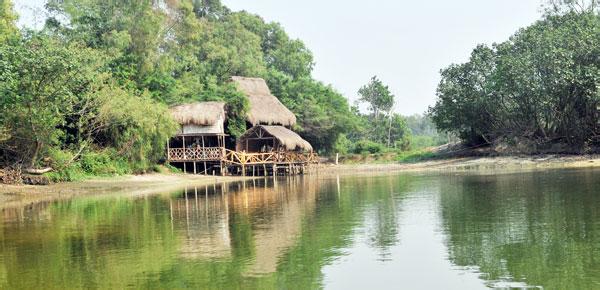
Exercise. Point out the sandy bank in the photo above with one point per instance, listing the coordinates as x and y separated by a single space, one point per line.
18 195
468 164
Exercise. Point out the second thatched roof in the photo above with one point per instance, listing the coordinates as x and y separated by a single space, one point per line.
286 137
265 108
201 113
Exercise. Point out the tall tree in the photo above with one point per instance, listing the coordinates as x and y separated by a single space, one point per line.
377 96
8 17
381 102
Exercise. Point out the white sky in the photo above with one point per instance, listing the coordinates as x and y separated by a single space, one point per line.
405 43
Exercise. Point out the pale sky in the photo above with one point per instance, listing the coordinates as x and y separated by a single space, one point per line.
405 43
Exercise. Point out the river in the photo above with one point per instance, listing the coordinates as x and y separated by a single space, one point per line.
536 230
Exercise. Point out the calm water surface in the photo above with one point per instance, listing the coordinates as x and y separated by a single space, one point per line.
509 231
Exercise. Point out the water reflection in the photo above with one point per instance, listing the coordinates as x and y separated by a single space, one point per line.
539 229
468 231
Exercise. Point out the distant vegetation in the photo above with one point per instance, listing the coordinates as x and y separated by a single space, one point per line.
539 90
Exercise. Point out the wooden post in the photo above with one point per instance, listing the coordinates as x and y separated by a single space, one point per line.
184 167
274 169
195 172
264 169
337 158
168 153
203 147
243 170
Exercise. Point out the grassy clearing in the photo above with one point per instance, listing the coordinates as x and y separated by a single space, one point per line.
416 156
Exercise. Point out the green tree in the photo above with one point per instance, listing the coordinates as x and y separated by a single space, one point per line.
381 125
8 17
60 96
377 96
541 85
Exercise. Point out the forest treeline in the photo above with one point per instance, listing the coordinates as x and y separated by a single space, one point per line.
539 91
89 92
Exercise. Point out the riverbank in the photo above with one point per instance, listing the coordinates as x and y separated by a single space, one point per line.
465 164
16 195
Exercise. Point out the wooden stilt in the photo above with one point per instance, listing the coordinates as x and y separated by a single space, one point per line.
195 171
265 169
184 167
205 169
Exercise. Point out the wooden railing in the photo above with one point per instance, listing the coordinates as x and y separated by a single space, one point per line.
196 154
243 158
239 158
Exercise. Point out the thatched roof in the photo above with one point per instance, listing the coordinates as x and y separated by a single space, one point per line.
201 113
286 137
264 107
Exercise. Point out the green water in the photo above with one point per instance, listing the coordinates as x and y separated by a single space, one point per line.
530 230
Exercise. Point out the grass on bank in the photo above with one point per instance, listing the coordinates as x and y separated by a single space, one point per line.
391 156
105 163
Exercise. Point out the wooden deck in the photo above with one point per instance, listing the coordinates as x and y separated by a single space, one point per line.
229 161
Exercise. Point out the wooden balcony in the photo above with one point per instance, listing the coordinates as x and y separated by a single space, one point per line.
196 154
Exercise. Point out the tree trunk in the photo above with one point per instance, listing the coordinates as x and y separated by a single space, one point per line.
390 130
36 152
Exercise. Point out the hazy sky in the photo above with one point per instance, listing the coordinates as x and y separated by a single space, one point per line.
403 42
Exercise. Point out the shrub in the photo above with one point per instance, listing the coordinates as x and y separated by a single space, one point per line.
366 146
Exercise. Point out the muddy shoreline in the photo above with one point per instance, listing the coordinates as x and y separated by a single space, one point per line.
501 164
22 195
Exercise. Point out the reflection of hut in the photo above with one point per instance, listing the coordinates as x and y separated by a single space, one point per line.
203 222
271 138
201 137
270 121
278 212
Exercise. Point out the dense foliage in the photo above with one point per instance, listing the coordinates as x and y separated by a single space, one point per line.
88 93
542 85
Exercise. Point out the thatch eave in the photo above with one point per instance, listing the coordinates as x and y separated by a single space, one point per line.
287 138
200 113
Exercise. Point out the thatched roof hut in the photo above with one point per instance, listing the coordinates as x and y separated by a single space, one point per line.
260 137
200 117
265 109
200 113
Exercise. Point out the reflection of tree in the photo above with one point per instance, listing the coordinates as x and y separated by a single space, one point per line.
384 232
541 228
78 245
